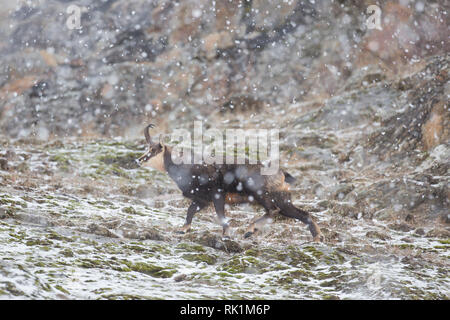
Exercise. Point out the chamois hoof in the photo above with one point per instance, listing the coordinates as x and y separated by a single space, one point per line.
248 234
319 238
183 230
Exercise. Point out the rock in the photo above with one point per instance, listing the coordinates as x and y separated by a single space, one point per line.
410 218
34 219
420 231
445 218
232 246
214 41
180 277
151 234
341 191
331 235
438 233
400 134
3 214
400 227
215 241
4 164
434 130
324 204
377 235
345 210
248 46
269 14
11 155
242 104
101 231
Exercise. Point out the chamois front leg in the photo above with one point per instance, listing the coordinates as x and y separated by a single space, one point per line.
195 207
219 205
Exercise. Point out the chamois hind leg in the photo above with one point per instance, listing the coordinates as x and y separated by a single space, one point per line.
219 205
258 223
306 218
284 202
195 207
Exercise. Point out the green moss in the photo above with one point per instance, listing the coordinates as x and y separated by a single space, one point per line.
251 252
356 261
301 274
45 287
314 252
107 203
331 283
63 162
150 269
67 253
323 275
55 236
285 280
91 263
125 297
245 264
200 257
404 246
136 248
40 264
297 257
131 210
58 287
12 289
160 249
127 161
12 203
223 274
39 242
10 211
334 258
330 297
191 247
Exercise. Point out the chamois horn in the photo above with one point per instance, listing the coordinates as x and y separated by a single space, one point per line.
147 133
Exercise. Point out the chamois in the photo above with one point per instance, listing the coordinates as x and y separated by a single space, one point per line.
227 183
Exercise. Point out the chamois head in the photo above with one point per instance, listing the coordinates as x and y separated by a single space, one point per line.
153 158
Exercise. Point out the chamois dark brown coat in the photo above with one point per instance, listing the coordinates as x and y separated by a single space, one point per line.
227 183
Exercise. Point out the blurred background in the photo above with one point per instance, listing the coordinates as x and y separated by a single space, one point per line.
135 61
359 91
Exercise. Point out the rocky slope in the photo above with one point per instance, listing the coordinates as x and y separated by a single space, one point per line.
364 126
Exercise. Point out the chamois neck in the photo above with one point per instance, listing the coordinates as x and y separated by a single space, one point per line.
168 157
